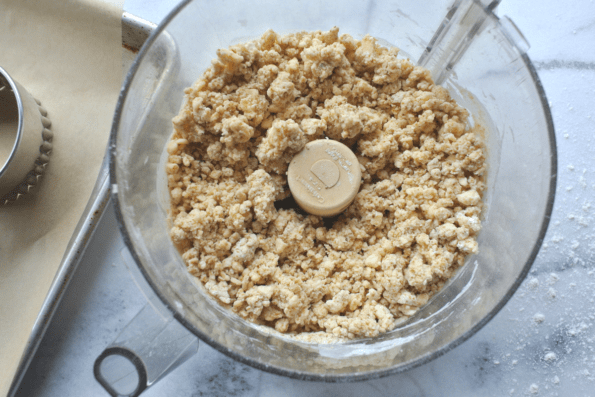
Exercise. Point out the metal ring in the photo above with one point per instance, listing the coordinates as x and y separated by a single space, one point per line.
24 104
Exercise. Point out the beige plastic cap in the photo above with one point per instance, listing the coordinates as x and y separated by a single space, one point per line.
324 178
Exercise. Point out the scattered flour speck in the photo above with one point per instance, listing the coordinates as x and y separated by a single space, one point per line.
557 239
550 357
538 318
553 278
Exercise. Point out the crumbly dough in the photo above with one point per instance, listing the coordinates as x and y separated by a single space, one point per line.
409 228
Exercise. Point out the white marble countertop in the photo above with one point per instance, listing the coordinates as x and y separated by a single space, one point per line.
541 343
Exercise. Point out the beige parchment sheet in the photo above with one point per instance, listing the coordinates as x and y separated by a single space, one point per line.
67 54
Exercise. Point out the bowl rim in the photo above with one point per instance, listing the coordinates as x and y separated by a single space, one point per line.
353 377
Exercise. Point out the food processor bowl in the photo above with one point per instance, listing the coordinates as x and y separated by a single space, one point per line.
482 62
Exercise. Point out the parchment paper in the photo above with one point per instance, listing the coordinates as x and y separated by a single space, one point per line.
67 54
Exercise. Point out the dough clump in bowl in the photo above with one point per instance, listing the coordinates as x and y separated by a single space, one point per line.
410 227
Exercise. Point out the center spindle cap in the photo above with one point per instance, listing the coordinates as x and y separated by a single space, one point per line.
324 178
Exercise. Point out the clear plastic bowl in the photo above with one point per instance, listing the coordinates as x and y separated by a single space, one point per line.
486 70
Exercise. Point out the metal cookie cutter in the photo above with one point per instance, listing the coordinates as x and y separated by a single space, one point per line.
25 140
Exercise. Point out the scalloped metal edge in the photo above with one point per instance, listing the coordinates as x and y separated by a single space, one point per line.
33 176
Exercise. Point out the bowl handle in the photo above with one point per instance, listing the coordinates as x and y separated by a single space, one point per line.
148 348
